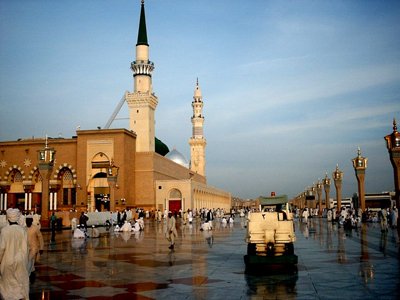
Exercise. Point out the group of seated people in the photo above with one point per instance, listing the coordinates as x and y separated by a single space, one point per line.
138 225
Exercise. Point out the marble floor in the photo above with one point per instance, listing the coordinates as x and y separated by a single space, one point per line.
332 264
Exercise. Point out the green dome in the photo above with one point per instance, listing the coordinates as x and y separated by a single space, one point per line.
161 148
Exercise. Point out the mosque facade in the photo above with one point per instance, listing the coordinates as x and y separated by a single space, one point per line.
109 169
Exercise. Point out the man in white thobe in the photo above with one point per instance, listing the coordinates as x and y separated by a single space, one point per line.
14 280
171 230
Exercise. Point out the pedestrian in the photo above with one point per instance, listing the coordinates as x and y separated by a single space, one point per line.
53 221
305 215
83 222
383 219
119 223
36 245
14 279
171 230
394 217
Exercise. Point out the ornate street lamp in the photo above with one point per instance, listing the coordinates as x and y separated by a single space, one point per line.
360 165
393 146
318 187
313 192
327 186
309 197
112 176
46 158
337 176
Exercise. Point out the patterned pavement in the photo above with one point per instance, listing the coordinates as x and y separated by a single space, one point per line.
333 264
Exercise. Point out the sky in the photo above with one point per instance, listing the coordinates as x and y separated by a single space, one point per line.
290 88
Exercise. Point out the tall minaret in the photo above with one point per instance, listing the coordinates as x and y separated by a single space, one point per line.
197 142
142 102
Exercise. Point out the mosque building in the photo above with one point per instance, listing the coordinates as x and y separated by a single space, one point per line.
109 169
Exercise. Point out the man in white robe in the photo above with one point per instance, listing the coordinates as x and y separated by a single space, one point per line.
141 223
171 230
35 242
305 215
14 280
127 227
79 234
136 227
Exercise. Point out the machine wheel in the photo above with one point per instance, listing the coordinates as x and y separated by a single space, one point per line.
289 249
251 249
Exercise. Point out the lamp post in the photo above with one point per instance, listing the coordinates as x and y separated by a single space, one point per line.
393 146
360 165
327 186
309 197
337 178
313 192
46 161
318 187
303 199
112 176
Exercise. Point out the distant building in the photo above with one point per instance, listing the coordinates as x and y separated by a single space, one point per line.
373 201
380 200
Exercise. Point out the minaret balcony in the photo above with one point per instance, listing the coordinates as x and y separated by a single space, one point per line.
142 67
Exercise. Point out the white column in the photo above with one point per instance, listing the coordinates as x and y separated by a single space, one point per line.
1 201
26 201
30 201
5 201
55 201
51 201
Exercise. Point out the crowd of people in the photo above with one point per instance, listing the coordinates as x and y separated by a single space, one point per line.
351 218
21 240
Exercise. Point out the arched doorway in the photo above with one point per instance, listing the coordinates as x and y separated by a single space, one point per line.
98 189
101 192
175 200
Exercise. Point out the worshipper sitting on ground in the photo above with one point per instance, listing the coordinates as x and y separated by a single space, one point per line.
141 223
79 234
126 227
36 245
224 221
136 226
206 226
94 232
117 229
14 273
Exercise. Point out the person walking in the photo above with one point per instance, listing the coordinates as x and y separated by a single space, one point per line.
83 219
394 216
14 279
53 221
36 245
383 219
171 230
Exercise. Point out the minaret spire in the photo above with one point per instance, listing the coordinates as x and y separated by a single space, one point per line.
142 32
142 102
197 142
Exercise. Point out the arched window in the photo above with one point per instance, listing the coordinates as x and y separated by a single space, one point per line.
17 177
175 194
